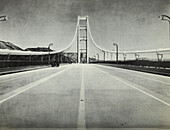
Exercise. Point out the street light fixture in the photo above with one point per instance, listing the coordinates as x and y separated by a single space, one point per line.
166 18
3 18
115 44
49 51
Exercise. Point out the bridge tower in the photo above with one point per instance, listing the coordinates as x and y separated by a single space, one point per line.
82 40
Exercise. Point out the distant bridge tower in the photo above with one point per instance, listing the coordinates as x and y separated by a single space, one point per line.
82 40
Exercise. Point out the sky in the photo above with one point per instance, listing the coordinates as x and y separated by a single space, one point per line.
132 24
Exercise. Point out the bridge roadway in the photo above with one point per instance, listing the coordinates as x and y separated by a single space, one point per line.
84 96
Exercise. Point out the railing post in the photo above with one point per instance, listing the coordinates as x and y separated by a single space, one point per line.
30 57
159 56
98 56
42 58
8 58
61 58
124 56
111 55
117 53
137 56
103 55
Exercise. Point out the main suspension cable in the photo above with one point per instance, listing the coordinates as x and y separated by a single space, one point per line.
123 52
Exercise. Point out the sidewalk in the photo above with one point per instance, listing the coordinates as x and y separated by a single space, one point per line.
10 70
159 71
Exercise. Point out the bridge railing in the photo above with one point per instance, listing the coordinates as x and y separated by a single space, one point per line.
17 63
27 60
139 63
7 60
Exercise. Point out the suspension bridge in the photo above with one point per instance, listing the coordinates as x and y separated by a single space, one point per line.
86 51
95 93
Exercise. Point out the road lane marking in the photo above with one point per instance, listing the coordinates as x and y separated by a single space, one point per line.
81 115
134 87
22 89
137 75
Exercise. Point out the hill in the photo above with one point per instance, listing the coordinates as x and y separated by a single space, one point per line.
39 49
10 46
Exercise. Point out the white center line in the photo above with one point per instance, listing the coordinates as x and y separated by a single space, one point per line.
22 89
81 116
134 87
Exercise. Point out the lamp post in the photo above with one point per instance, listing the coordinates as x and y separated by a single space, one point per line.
49 51
103 54
98 56
111 54
114 44
3 18
94 57
166 18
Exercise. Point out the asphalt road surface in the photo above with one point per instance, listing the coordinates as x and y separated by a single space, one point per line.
84 96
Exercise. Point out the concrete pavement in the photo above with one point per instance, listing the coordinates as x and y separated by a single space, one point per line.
84 97
11 70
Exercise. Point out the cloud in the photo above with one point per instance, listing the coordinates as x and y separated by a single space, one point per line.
129 22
